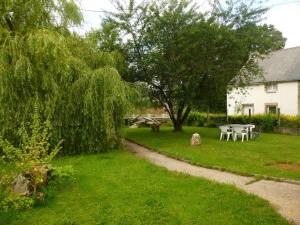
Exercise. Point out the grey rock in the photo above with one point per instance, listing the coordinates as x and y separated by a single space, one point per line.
21 185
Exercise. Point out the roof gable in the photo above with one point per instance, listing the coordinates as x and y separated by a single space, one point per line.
281 66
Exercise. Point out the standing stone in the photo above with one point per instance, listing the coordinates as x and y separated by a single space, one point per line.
196 139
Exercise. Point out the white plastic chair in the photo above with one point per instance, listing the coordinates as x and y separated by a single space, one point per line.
251 127
240 132
225 131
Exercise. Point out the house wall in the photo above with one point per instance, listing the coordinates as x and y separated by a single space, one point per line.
287 98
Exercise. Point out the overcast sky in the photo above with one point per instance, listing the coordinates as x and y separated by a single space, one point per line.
284 15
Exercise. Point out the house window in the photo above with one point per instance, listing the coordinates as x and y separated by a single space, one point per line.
271 108
271 88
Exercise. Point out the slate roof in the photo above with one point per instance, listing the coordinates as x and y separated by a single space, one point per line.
281 66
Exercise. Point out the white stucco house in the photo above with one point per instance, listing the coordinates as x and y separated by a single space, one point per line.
279 90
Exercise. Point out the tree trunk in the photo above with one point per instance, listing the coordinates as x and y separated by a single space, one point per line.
177 125
179 118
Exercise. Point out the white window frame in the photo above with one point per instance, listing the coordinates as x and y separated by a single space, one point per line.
271 88
271 105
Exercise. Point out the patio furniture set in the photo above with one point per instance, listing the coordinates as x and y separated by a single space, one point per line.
234 131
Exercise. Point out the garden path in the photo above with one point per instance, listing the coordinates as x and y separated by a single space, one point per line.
285 197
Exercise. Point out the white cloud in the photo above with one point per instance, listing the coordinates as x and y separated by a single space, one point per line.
286 19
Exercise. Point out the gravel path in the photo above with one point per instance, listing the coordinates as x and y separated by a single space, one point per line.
285 197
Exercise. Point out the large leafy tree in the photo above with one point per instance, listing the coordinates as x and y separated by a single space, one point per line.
255 40
188 58
19 16
74 83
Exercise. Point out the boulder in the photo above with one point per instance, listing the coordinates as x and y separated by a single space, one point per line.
27 183
196 139
21 185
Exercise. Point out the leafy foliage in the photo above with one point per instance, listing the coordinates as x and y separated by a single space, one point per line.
32 158
266 122
75 84
18 16
16 203
34 149
189 58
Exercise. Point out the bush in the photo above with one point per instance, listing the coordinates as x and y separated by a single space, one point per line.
202 119
34 149
268 123
210 123
263 122
290 121
30 163
15 203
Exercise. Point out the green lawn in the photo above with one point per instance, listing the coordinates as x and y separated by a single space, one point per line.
253 157
118 188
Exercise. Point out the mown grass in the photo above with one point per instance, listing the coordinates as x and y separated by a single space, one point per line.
257 157
118 188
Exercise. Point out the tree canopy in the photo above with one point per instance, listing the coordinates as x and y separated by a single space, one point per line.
22 16
188 57
76 85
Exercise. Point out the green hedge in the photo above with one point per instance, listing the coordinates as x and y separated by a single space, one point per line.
264 122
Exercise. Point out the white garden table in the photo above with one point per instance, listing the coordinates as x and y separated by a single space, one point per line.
246 126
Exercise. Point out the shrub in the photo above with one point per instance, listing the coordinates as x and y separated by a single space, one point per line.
31 162
202 119
264 122
290 121
210 123
34 149
16 203
268 123
196 119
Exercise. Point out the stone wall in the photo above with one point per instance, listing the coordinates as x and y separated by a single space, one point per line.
287 130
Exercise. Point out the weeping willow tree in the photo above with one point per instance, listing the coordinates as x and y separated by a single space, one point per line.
74 84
